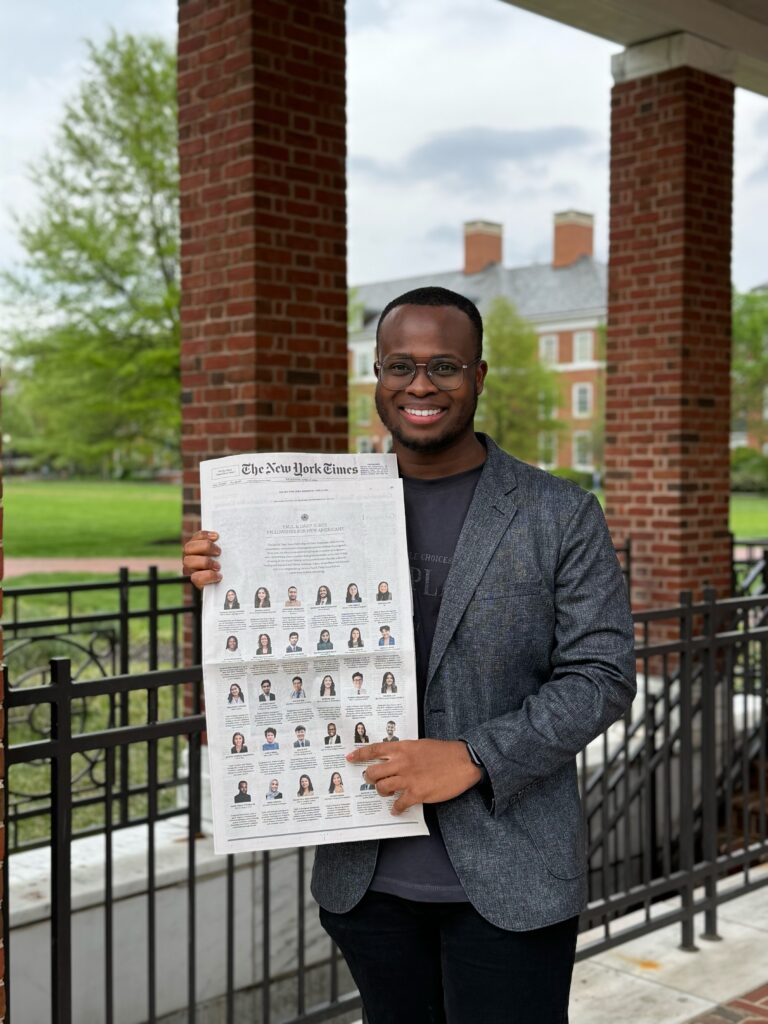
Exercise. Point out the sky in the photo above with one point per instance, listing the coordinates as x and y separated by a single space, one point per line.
457 110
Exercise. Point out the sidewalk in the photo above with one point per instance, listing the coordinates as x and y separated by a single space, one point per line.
650 980
24 566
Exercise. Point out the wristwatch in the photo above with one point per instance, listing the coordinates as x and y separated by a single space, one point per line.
483 780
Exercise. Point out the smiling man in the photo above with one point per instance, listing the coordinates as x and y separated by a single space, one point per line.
524 653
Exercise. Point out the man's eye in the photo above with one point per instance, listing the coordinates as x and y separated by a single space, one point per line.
445 369
400 369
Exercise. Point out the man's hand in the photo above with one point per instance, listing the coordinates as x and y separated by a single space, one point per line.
200 558
421 771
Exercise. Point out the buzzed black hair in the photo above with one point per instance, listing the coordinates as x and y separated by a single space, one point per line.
434 296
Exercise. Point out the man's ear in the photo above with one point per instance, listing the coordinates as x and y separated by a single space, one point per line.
480 371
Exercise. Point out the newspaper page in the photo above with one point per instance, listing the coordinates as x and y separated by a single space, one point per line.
308 649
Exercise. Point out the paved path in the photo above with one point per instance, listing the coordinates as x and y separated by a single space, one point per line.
23 566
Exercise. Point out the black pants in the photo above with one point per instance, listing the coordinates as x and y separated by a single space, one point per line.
432 963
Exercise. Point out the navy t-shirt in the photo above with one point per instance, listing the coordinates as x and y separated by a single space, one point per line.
418 867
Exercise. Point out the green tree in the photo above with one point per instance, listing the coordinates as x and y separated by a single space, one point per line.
519 402
749 363
94 341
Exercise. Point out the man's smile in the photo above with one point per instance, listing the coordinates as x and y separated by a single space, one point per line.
419 414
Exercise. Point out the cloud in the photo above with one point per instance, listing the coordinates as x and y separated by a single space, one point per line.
475 159
443 234
367 14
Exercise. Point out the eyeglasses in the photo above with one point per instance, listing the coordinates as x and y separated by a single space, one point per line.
396 372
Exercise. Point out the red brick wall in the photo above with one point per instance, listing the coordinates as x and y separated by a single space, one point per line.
668 351
263 214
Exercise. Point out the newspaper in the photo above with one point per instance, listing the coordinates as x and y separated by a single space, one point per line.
308 649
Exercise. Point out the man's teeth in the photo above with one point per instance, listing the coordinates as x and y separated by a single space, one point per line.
423 412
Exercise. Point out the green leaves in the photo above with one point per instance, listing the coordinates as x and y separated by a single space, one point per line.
94 348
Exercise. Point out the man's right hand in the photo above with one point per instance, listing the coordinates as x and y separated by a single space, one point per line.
200 558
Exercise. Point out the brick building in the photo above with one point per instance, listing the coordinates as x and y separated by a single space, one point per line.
565 302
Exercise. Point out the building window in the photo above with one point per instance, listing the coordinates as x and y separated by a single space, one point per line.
363 362
582 400
582 450
582 347
548 348
547 450
362 410
364 445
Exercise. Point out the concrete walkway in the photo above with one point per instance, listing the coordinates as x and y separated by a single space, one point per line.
110 566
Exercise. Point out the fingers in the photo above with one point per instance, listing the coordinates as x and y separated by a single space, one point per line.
200 559
370 752
204 578
403 802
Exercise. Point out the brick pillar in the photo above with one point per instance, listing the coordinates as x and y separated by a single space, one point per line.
263 230
668 348
3 777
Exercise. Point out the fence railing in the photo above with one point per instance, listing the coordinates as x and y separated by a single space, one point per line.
675 796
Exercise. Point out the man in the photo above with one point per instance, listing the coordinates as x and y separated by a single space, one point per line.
301 737
390 737
293 598
386 639
270 735
524 653
242 796
297 693
273 793
266 694
366 786
358 690
293 644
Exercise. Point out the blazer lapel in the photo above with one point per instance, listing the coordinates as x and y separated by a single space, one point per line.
489 515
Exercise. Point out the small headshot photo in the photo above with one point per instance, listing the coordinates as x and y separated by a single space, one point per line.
327 687
305 786
337 784
232 644
270 735
388 684
238 744
358 690
355 638
353 594
390 737
323 595
261 599
266 694
297 689
383 592
333 736
293 598
293 644
301 736
242 796
365 786
273 793
324 643
386 639
264 645
230 600
361 736
235 695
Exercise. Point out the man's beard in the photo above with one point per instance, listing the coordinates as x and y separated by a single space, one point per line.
433 444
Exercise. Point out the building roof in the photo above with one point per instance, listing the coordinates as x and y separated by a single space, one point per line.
539 292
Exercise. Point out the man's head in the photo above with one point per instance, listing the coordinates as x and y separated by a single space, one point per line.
292 593
293 639
385 631
297 683
242 786
300 731
266 686
270 735
273 784
357 680
435 330
390 728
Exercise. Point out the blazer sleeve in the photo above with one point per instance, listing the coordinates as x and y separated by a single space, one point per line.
592 681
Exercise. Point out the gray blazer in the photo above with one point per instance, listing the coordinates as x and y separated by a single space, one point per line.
532 658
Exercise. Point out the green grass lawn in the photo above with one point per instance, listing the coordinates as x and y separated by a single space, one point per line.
82 518
749 516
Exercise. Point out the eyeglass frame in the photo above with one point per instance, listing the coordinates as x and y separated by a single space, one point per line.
378 365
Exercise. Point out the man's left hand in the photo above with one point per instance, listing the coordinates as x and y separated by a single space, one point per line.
421 771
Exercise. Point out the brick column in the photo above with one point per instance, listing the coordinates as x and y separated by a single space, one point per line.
263 221
668 348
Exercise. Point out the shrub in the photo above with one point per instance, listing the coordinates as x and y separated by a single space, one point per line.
749 470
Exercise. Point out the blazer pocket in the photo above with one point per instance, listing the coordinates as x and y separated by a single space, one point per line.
550 811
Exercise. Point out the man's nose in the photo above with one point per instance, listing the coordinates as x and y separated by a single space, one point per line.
421 383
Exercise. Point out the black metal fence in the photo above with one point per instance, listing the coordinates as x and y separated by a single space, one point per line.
674 795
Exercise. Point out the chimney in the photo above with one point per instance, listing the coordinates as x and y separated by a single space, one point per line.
482 245
573 237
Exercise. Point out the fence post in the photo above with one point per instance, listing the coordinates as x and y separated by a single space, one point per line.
687 941
709 763
61 837
6 874
124 627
